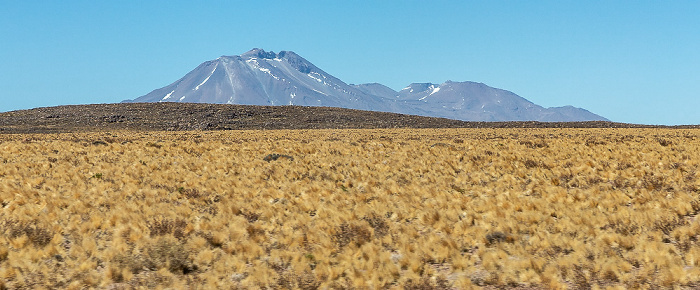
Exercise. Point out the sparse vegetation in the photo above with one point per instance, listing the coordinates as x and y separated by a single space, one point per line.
332 209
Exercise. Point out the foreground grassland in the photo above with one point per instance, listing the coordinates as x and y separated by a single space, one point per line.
415 209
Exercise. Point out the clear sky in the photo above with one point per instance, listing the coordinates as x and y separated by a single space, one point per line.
630 61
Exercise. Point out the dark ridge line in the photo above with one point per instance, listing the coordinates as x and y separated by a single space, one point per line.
170 116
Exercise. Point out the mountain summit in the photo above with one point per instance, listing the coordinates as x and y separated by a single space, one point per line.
260 77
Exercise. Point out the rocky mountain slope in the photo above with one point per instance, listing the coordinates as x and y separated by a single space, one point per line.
171 116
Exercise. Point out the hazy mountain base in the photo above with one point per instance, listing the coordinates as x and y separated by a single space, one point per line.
195 116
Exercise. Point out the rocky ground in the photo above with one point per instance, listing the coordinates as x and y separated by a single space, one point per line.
191 116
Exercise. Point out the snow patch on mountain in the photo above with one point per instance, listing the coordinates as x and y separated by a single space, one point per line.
168 96
205 80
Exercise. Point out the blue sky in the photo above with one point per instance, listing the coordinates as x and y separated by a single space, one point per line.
629 61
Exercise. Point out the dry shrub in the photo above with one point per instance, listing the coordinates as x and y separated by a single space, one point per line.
624 165
3 253
498 237
290 280
595 142
170 254
668 224
624 228
537 144
529 163
161 227
428 283
36 233
378 223
665 142
154 145
189 192
357 233
132 262
251 217
652 182
164 252
275 156
584 278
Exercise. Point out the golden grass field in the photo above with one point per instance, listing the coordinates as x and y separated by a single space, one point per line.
362 209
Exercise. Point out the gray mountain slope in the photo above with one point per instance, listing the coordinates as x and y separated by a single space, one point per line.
377 90
258 77
471 101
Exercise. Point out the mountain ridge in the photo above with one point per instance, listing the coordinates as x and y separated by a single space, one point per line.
260 77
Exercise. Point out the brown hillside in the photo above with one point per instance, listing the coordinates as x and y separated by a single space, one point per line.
191 116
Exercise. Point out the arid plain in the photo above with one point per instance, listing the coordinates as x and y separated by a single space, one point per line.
351 208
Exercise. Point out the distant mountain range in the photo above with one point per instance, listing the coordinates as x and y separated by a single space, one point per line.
258 77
